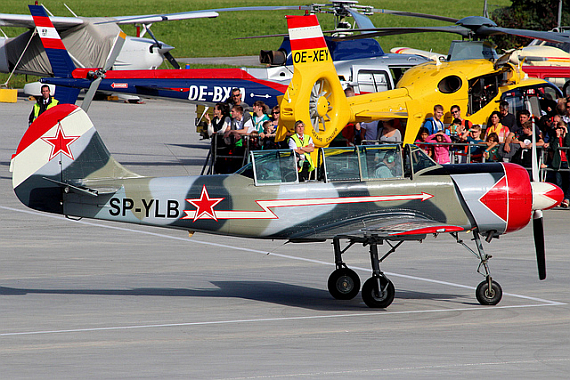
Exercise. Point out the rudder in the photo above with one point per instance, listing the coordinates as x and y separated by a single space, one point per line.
61 151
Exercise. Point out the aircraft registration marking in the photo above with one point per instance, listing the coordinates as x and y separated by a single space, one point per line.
310 56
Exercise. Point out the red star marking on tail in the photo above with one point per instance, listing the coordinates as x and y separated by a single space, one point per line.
205 205
60 143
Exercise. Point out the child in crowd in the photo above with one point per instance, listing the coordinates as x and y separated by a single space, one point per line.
423 134
491 154
473 137
456 129
268 136
440 152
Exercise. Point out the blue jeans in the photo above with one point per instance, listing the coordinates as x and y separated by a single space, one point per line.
562 179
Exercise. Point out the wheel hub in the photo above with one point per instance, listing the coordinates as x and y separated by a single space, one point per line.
322 106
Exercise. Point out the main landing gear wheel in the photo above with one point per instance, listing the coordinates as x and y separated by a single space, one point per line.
344 284
487 296
385 294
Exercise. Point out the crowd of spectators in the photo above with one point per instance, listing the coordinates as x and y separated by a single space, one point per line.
236 127
505 138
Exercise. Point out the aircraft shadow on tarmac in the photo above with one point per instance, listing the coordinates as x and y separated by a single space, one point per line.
183 161
263 291
192 146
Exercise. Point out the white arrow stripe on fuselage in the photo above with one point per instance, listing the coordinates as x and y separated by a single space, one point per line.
268 214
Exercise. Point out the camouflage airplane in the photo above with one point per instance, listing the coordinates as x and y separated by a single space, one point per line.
367 194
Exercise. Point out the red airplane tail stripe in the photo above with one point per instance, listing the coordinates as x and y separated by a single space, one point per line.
305 33
308 43
42 22
50 43
302 21
44 123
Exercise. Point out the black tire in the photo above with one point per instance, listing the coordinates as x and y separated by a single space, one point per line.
344 284
386 296
486 297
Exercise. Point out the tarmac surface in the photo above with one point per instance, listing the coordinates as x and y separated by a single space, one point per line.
95 300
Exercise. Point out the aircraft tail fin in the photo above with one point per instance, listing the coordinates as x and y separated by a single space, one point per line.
315 94
61 152
60 60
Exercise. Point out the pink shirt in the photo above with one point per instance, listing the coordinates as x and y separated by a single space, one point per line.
440 152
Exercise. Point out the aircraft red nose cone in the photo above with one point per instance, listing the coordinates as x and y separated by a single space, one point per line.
545 195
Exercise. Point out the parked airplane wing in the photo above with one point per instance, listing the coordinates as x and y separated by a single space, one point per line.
147 19
26 21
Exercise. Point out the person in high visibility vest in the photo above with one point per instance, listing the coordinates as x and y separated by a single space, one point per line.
43 104
303 146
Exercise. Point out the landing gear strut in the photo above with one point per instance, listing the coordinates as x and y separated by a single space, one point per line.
378 291
488 291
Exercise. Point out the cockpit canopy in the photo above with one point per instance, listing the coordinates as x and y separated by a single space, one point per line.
360 163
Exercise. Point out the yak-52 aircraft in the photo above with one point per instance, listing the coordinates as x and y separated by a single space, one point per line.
25 55
366 194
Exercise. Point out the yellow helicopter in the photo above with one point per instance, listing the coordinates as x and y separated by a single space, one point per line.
477 86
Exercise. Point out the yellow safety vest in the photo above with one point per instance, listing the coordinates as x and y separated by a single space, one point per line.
302 145
52 104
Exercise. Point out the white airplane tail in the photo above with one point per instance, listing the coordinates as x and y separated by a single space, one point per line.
62 152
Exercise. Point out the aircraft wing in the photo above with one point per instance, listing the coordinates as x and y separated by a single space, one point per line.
412 226
397 227
390 226
148 19
26 21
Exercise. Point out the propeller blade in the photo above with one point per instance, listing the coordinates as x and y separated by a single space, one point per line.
117 46
172 60
538 231
91 93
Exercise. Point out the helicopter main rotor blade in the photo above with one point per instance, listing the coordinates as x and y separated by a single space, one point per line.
380 32
534 34
414 14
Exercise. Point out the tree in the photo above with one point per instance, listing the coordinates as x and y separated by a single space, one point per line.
528 14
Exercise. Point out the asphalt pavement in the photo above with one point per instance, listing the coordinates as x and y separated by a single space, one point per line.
97 300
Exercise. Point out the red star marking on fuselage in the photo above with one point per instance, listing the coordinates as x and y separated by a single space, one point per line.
205 205
60 143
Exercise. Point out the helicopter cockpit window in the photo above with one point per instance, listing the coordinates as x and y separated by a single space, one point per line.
341 164
373 81
450 84
380 161
462 50
274 167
